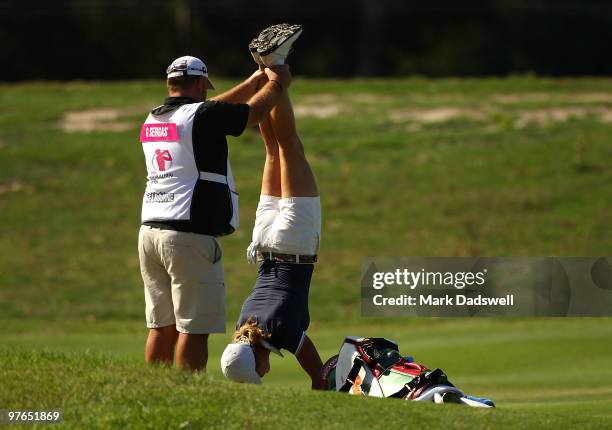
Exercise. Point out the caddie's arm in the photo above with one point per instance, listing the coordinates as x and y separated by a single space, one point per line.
279 79
242 92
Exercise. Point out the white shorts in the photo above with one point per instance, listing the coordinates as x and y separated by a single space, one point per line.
288 225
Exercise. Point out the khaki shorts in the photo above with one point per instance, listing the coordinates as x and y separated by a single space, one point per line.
183 280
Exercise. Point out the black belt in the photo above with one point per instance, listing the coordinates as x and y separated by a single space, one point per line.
286 258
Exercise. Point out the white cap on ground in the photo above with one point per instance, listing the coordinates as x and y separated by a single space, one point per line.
188 65
238 363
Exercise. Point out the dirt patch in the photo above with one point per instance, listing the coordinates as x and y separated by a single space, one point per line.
606 116
317 111
104 119
328 105
15 186
318 106
320 99
544 117
368 98
414 118
553 97
433 115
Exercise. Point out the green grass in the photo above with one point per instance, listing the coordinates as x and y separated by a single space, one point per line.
481 182
542 373
130 396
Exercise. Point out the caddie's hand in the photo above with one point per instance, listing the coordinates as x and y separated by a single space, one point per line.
257 78
281 74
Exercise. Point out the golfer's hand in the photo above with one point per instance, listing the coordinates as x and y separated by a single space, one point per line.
281 74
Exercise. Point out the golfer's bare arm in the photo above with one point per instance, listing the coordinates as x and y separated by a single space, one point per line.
309 359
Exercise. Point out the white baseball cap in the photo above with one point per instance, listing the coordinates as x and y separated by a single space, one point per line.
188 65
238 363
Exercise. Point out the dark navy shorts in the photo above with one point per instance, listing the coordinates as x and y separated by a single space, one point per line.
279 303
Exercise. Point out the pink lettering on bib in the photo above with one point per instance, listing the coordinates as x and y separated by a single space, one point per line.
161 132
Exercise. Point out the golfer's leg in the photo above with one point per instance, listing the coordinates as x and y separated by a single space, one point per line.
192 351
297 179
267 208
271 179
160 345
309 359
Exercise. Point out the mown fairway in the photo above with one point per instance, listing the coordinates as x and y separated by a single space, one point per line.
406 167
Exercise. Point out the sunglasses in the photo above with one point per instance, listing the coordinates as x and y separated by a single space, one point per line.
183 67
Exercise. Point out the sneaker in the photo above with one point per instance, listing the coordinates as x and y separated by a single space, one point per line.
274 44
451 397
477 402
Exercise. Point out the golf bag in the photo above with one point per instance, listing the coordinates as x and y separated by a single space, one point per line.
374 367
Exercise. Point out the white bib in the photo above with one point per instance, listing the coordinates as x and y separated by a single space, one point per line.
172 173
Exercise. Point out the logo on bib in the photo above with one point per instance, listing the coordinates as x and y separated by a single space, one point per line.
162 160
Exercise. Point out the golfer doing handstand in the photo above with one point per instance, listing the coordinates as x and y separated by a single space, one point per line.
285 243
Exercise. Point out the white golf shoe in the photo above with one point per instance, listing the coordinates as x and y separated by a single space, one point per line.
274 44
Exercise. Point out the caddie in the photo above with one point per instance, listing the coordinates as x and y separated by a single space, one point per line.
189 202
